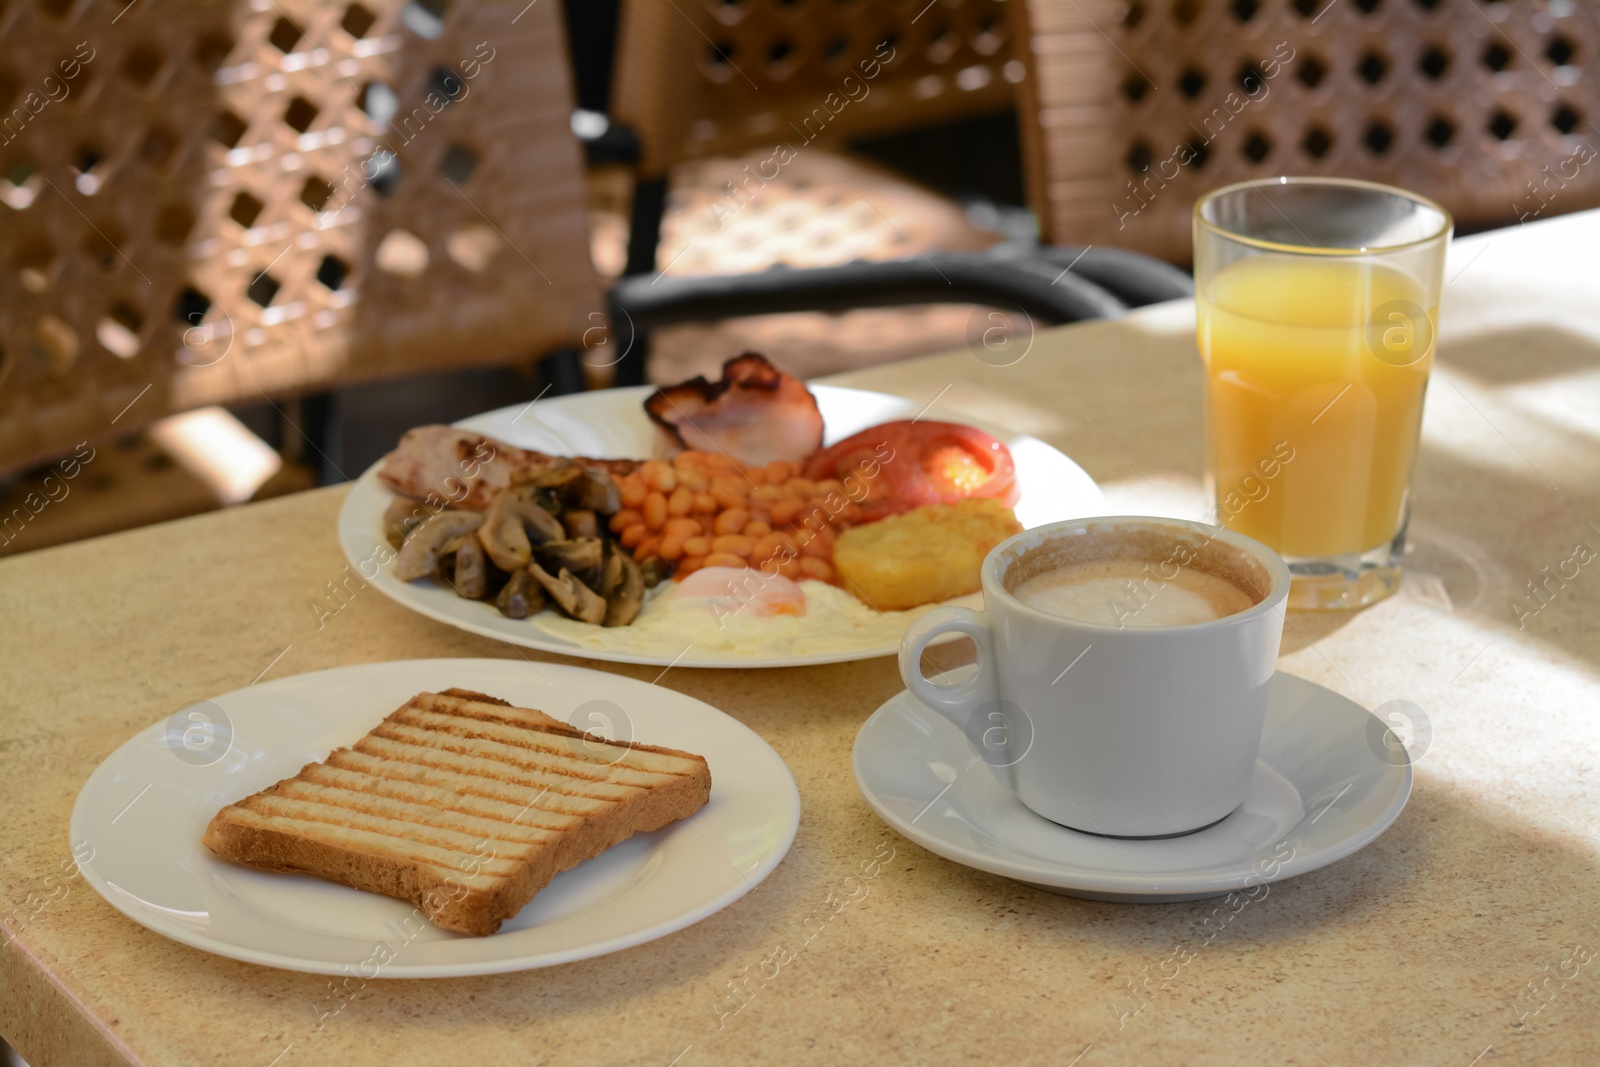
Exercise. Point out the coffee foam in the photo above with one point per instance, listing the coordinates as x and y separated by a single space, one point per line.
1128 592
1170 552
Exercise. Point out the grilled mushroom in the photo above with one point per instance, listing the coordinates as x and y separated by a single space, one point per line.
656 570
522 596
611 573
419 556
571 595
581 522
596 491
471 577
625 601
583 557
512 516
400 518
557 474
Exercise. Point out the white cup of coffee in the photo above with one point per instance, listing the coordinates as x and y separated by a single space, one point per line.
1124 665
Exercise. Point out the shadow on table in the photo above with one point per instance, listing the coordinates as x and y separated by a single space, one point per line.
1442 925
1423 908
1306 629
1541 352
1511 554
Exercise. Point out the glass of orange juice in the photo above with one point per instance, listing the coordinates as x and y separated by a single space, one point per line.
1317 304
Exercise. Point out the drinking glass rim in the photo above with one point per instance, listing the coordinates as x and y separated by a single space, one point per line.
1444 231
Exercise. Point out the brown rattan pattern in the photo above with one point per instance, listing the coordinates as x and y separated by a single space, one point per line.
219 201
1488 107
698 78
821 210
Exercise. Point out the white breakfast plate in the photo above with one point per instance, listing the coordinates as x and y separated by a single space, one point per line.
140 816
612 424
1323 789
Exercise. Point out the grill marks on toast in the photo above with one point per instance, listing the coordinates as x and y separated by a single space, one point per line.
439 798
579 755
577 795
634 755
476 828
519 747
331 838
397 766
462 804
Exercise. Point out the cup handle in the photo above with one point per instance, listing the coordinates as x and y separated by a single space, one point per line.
961 701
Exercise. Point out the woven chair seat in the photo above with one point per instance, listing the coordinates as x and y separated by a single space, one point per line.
821 209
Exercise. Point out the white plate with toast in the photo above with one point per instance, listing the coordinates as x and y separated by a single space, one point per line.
139 820
612 424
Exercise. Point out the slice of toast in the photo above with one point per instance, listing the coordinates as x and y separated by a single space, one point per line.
461 804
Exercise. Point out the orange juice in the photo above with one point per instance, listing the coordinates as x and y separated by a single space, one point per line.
1312 432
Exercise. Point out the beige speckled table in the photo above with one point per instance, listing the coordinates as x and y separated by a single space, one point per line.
1465 935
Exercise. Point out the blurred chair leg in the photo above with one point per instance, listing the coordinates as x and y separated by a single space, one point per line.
644 234
644 227
312 436
630 366
562 371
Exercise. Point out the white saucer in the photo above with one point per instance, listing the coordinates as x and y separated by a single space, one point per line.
1321 791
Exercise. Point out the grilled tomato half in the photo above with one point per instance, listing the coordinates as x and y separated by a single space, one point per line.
897 466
